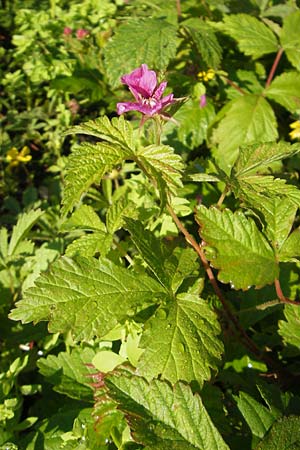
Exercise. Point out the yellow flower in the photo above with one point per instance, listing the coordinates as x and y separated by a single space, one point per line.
295 133
207 76
14 158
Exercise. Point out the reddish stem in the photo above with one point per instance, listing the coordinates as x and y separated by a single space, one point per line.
274 67
281 295
235 86
178 6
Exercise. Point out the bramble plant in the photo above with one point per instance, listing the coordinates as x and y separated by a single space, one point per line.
169 277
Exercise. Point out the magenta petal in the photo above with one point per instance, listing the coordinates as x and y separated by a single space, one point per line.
141 81
160 90
167 100
140 107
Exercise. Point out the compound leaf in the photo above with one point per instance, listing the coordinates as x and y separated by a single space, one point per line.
162 416
68 372
289 329
291 247
285 90
290 38
245 120
181 341
205 40
22 227
239 250
157 42
85 218
258 417
284 435
86 296
254 37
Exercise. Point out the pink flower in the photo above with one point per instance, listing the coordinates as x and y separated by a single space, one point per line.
202 102
142 82
81 33
67 31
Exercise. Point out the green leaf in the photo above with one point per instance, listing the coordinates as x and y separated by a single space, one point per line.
289 329
162 164
86 165
68 372
240 251
117 212
181 341
205 40
284 435
90 244
247 119
253 157
86 218
290 38
106 360
285 90
164 417
194 122
21 229
153 251
157 42
258 417
86 296
291 247
118 131
253 36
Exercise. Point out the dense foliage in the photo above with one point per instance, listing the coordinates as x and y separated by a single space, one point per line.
149 240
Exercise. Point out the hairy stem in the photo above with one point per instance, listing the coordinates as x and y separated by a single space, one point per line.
234 85
281 295
274 67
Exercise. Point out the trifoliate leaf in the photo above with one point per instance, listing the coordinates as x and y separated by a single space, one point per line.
153 251
164 417
291 247
194 122
284 435
258 417
86 165
289 329
148 41
20 230
290 38
181 341
253 36
90 244
247 119
118 131
205 40
240 251
256 156
86 296
162 164
68 372
285 90
85 218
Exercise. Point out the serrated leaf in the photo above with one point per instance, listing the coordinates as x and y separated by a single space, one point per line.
148 41
106 360
269 186
86 296
285 90
240 251
181 341
117 212
247 119
163 164
253 36
284 435
165 415
86 218
90 244
253 157
205 40
86 165
22 227
194 122
203 177
68 372
289 329
117 131
152 250
291 247
290 38
258 417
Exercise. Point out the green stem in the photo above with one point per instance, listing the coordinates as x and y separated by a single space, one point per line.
222 197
